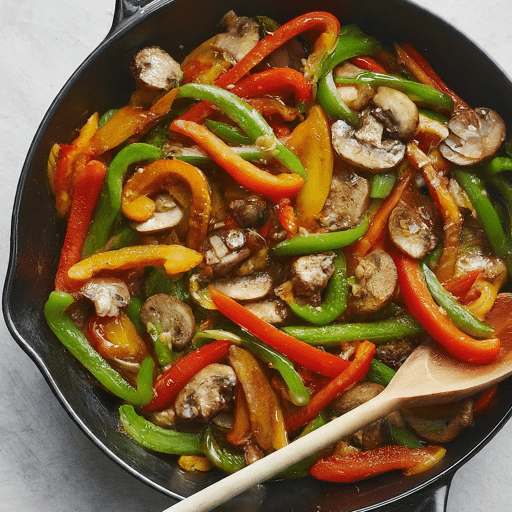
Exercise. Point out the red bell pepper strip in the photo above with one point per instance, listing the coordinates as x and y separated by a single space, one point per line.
312 358
367 63
357 466
357 369
87 191
324 22
247 174
172 381
419 301
275 81
459 286
485 399
424 73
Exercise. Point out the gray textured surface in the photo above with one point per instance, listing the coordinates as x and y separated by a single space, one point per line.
46 463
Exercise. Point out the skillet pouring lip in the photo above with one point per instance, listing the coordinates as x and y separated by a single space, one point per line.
35 242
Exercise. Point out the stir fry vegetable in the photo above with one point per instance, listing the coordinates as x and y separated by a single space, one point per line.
261 237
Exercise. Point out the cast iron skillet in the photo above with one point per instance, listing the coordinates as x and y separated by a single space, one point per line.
102 82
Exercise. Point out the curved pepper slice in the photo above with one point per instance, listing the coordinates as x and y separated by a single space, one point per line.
418 299
251 177
174 258
138 206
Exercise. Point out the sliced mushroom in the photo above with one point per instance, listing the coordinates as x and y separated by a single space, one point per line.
474 136
396 111
347 201
310 274
410 232
272 311
208 393
247 288
250 211
154 71
241 36
365 147
167 215
376 280
108 295
354 96
173 319
394 353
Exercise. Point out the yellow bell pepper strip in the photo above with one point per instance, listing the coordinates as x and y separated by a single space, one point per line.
418 299
249 119
311 142
326 23
361 465
87 190
174 258
265 414
274 187
63 177
109 202
170 383
75 341
356 371
379 221
437 185
136 204
314 359
159 439
488 292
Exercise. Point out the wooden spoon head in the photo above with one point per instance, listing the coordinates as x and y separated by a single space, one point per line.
431 375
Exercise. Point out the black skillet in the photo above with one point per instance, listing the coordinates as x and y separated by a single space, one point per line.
102 82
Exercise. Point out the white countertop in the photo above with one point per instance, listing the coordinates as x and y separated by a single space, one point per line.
46 463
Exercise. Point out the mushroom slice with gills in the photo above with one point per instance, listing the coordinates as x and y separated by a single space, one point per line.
355 96
167 215
396 111
154 71
252 287
223 250
474 136
410 232
173 319
210 392
376 280
272 311
346 202
107 293
365 147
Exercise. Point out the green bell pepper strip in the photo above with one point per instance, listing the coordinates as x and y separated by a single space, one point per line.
221 456
496 165
228 133
382 184
320 242
158 281
124 236
475 188
76 342
109 204
133 313
404 437
329 99
335 300
417 92
377 332
436 116
458 314
380 373
107 116
156 438
249 153
164 354
249 119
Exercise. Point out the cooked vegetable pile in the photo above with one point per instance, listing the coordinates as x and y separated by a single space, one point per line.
258 240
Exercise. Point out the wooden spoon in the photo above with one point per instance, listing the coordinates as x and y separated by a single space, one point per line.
429 376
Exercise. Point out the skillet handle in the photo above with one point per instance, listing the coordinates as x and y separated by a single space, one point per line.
125 10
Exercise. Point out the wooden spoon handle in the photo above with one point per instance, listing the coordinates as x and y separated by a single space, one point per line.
272 464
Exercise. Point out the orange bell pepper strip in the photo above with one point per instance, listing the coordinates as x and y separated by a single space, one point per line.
358 466
176 259
136 204
241 430
419 301
247 174
265 414
311 142
310 357
424 73
286 216
356 371
326 23
378 223
172 381
87 191
437 185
